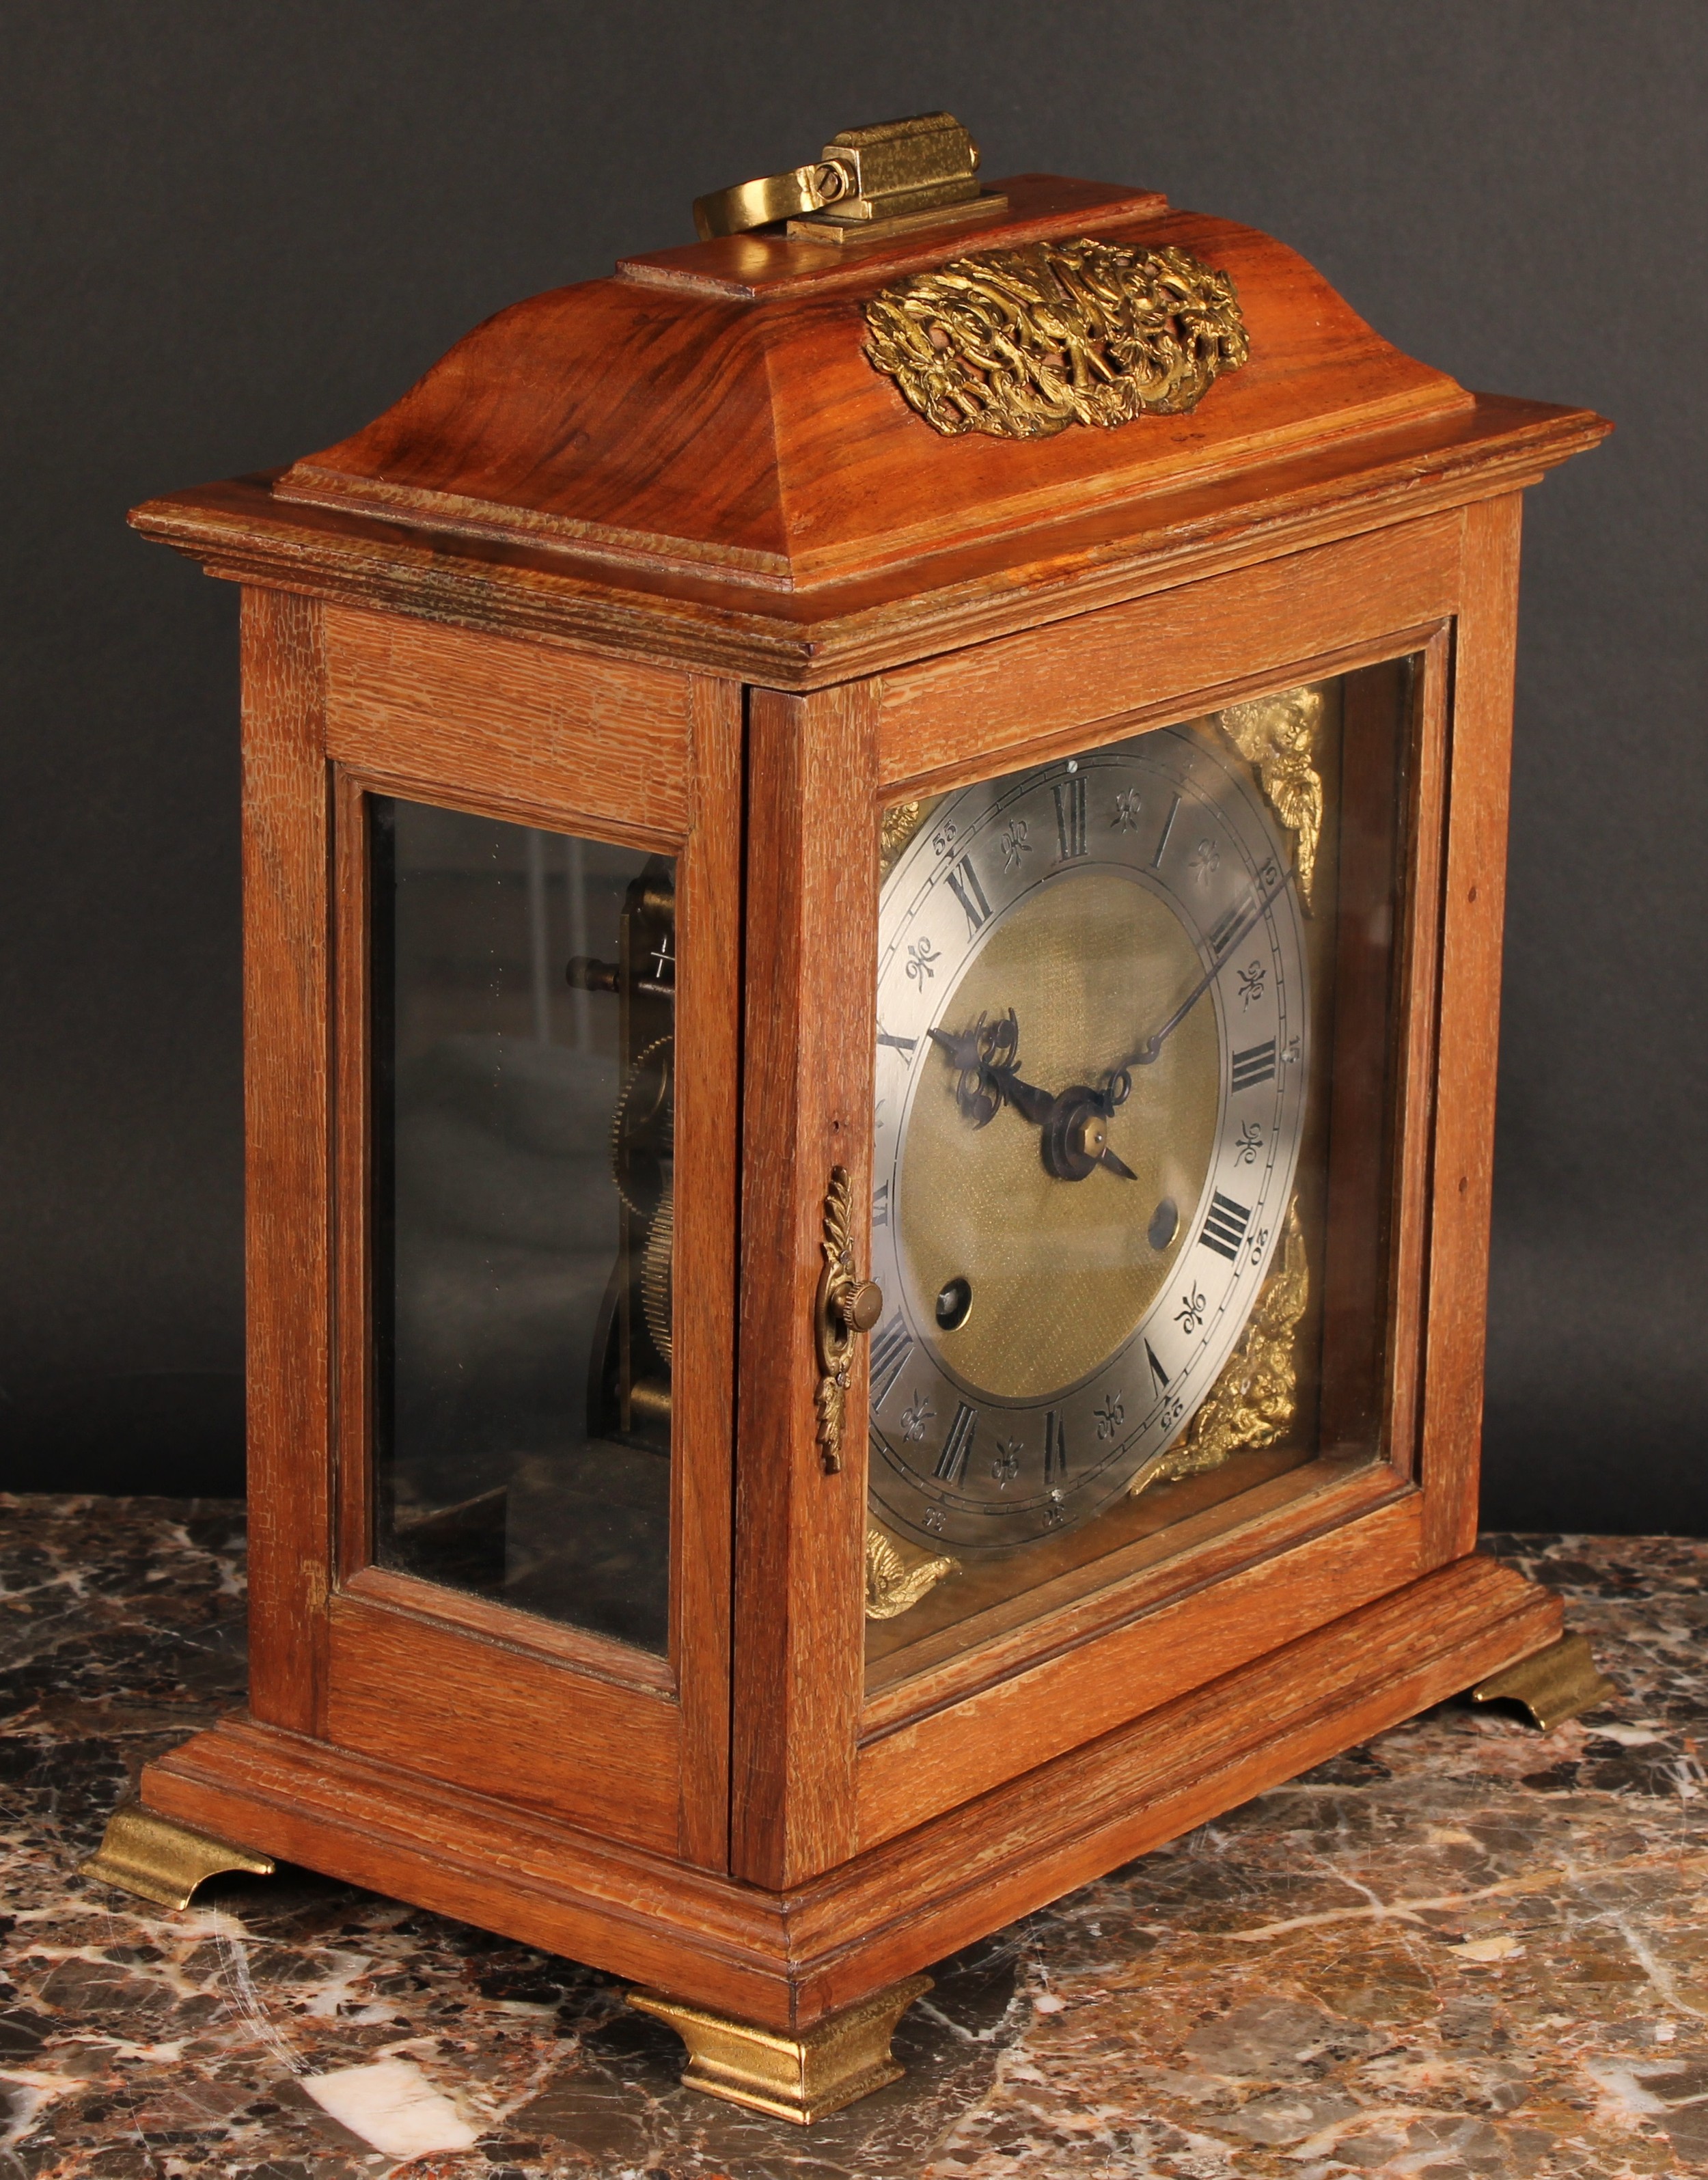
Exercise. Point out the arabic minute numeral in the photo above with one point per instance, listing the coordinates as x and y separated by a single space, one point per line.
932 1519
1173 1408
1070 816
1255 1065
957 1445
1257 1243
1224 1229
963 882
890 1348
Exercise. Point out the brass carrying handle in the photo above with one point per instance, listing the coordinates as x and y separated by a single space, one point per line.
845 1305
773 197
894 171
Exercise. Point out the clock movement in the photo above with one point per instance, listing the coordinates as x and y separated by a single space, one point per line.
873 876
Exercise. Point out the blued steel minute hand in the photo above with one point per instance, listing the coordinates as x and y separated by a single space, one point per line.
1147 1053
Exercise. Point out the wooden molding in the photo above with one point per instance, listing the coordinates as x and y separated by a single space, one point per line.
1085 559
785 1957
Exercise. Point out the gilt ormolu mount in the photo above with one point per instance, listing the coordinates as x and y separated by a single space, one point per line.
656 590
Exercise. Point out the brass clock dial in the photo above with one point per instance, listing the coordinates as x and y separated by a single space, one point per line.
1092 1063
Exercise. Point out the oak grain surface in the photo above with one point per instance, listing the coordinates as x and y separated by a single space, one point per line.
787 1957
584 417
1473 890
1220 1624
1036 691
436 1699
287 1126
1196 527
810 943
601 743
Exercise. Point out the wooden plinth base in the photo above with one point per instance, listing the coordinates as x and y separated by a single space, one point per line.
783 1961
805 2076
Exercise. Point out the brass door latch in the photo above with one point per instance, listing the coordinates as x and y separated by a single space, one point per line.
865 183
846 1304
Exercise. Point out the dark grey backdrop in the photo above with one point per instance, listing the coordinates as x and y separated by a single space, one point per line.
230 234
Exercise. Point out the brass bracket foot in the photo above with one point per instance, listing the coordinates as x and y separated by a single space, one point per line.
1553 1685
160 1861
802 2077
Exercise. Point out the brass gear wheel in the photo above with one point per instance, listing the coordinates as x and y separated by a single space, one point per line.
655 1275
623 1116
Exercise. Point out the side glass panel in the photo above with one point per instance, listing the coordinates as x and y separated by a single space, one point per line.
1131 1173
523 1011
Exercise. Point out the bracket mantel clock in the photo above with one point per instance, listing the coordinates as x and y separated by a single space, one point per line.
874 887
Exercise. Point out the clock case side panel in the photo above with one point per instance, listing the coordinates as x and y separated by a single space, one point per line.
287 973
1326 1539
440 1683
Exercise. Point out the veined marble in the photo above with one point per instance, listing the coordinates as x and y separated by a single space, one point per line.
1462 1950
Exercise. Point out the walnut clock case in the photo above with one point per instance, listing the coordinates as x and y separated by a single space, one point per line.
874 871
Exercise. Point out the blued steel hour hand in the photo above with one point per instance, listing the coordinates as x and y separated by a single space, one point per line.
1073 1125
984 1058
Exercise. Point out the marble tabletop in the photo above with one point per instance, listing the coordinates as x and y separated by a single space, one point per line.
1462 1949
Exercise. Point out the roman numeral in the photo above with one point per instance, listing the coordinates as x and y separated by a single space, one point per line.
1156 1368
880 1204
1167 827
1255 1065
907 1046
1070 815
964 880
1225 1228
951 1462
891 1346
1055 1448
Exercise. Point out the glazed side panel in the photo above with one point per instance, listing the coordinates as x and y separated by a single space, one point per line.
341 701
